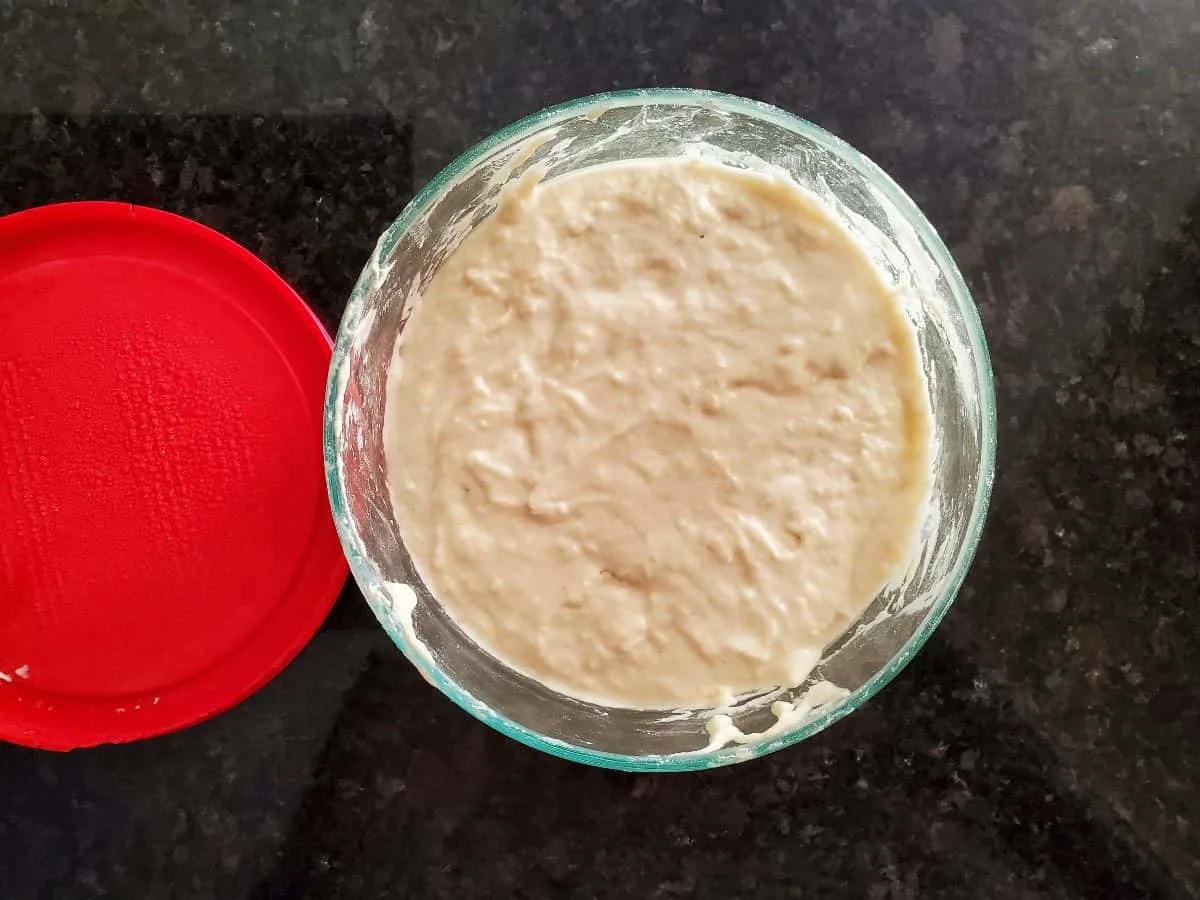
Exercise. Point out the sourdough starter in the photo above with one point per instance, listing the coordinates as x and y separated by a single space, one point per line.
657 432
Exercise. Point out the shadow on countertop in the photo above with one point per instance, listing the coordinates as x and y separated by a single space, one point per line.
309 195
932 790
1081 604
938 786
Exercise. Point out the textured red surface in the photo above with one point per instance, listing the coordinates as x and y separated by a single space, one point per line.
165 540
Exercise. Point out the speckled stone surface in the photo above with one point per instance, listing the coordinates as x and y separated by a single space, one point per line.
1040 746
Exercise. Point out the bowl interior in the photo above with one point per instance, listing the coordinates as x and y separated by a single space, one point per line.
659 124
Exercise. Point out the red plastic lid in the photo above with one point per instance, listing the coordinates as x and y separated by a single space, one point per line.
166 545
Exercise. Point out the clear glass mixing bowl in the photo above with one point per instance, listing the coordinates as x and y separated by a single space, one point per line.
657 124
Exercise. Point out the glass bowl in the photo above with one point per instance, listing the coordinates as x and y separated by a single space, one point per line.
906 249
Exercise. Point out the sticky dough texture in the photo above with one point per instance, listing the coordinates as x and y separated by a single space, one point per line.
657 432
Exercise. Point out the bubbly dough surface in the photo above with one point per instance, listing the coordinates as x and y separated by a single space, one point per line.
657 432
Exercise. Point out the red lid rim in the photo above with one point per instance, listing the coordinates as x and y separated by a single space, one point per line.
49 719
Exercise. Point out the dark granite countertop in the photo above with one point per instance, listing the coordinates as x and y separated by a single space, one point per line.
1039 746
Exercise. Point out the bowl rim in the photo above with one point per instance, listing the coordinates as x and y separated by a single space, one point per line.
363 568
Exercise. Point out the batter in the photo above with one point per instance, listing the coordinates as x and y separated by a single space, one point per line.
657 432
